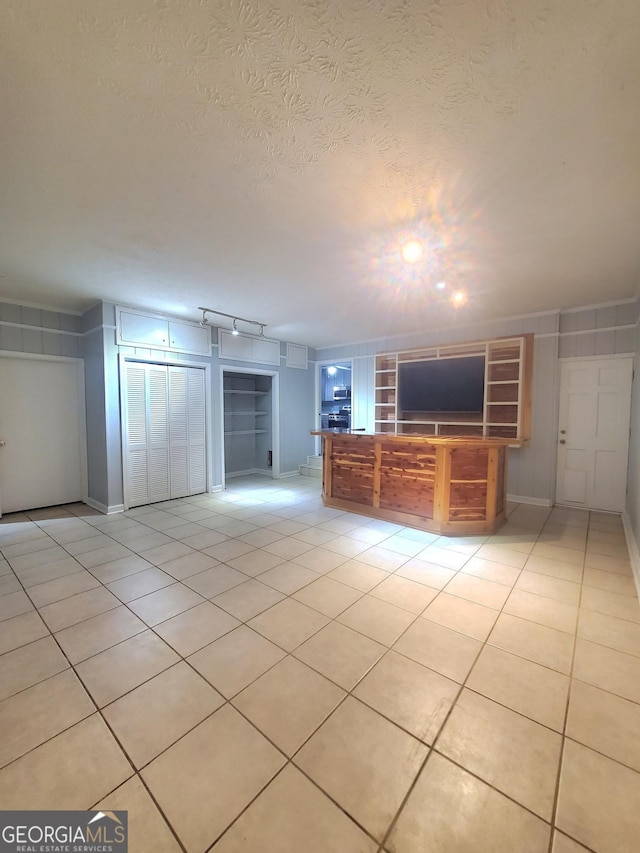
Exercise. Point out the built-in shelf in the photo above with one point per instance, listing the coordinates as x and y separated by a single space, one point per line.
507 392
245 431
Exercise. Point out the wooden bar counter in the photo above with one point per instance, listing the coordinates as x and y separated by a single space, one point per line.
453 485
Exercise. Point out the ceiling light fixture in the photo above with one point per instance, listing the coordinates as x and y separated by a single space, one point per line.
234 318
412 251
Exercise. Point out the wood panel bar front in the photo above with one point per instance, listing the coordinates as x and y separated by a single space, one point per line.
449 485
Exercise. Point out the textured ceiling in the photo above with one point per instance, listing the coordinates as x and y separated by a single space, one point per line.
266 157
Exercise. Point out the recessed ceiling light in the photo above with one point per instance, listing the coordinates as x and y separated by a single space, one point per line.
459 297
441 285
412 251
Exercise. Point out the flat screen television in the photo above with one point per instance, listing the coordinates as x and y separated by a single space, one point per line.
442 385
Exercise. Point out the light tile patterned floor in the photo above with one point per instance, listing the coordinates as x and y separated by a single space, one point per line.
250 671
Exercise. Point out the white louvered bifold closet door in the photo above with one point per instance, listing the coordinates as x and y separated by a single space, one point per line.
187 431
165 432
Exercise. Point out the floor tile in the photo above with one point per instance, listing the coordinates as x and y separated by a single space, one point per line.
539 643
255 562
404 593
288 703
328 596
598 801
426 573
491 571
558 590
320 560
48 572
153 716
94 635
117 670
480 591
340 653
485 821
60 588
248 599
228 550
77 608
544 611
57 774
30 664
377 619
364 763
510 752
505 555
439 648
292 814
20 630
236 660
605 722
442 556
608 631
556 568
611 604
409 694
533 690
222 763
35 558
563 844
147 831
158 606
142 583
288 623
9 583
112 552
195 628
14 604
160 554
288 578
608 669
610 581
31 717
461 615
358 575
191 564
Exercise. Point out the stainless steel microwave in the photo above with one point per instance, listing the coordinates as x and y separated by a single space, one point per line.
343 393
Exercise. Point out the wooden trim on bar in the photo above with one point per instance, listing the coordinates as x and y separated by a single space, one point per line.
451 485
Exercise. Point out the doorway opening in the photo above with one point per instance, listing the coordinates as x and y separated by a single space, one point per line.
335 395
250 431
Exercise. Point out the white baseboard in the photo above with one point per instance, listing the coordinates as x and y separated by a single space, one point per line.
285 474
523 499
634 550
218 488
107 510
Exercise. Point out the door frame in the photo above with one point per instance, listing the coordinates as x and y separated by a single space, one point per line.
82 414
275 416
556 454
318 394
123 358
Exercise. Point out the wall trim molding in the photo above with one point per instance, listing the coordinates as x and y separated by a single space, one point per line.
524 499
103 508
634 550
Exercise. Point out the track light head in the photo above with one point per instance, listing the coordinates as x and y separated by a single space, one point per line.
234 330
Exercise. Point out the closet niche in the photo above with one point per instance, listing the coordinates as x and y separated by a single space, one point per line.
247 423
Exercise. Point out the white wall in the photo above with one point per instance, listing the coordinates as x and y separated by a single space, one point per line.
632 511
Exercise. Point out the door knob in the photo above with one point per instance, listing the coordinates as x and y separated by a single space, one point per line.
562 441
2 442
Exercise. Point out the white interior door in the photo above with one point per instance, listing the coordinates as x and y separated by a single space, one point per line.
164 417
593 432
42 424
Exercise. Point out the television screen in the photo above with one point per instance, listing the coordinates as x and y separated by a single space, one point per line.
442 385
